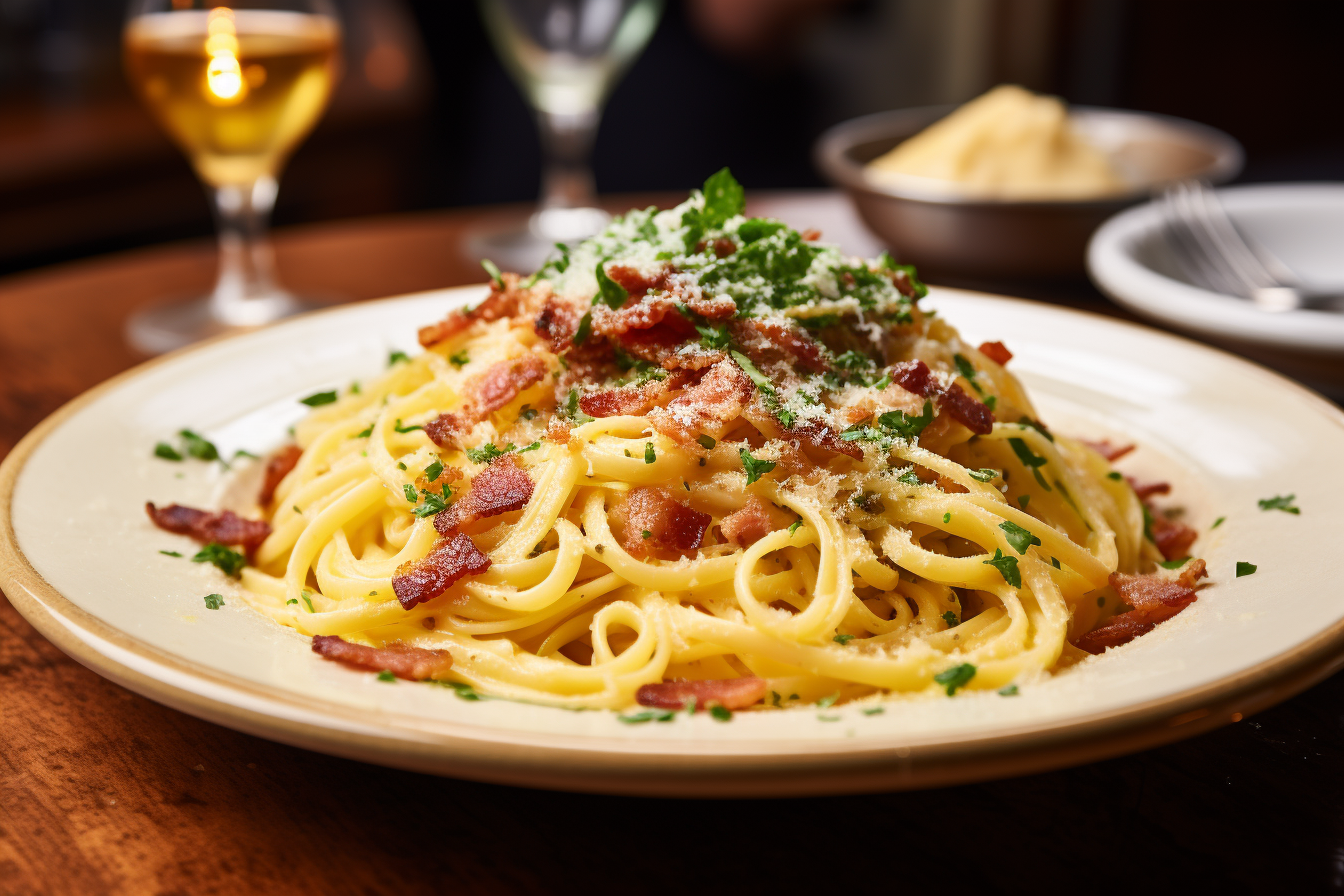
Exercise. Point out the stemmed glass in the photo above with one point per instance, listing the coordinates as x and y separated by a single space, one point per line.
237 88
566 55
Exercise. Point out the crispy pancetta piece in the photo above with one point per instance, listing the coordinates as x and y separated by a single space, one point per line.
707 407
791 339
502 302
1173 539
278 466
915 376
1148 489
1153 597
652 520
225 526
499 488
1107 450
486 393
453 557
730 693
751 522
402 660
633 400
996 352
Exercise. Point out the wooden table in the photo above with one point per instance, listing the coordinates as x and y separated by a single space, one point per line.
103 791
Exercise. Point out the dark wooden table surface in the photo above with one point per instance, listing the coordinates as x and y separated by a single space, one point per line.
103 791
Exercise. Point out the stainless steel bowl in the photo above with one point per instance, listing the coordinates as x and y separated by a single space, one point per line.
979 237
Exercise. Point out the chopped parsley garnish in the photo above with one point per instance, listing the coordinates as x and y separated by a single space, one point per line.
1114 475
1101 601
1033 461
458 359
170 553
1173 564
761 380
434 471
1054 561
533 447
229 561
432 504
1022 501
1218 522
965 368
1036 425
487 452
648 715
317 399
1007 567
828 701
401 465
874 710
909 477
1280 502
214 601
527 412
572 411
956 677
385 675
720 713
854 361
907 426
198 446
609 292
1008 690
1018 537
585 327
409 491
404 429
984 474
706 442
166 451
647 534
1244 568
947 517
796 526
649 456
492 269
714 336
842 640
307 599
950 617
355 389
463 690
397 357
364 433
755 468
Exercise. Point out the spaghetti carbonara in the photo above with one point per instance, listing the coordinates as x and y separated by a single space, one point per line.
704 458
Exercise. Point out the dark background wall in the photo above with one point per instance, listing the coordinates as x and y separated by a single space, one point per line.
426 117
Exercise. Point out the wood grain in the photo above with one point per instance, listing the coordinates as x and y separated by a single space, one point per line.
102 791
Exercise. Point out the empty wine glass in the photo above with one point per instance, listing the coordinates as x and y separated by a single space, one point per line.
566 55
237 88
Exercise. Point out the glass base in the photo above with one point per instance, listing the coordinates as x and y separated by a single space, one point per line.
165 328
524 249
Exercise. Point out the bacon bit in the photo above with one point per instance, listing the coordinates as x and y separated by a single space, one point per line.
1173 539
706 407
904 285
792 339
819 435
633 400
723 247
672 526
557 430
402 660
996 352
500 303
1153 598
1107 450
811 235
557 323
1148 489
277 468
486 393
656 344
972 414
751 522
225 527
499 488
730 693
452 558
636 283
913 376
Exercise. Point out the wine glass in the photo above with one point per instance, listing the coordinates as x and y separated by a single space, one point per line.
566 55
237 88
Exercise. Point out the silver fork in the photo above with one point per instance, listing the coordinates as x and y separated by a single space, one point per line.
1214 255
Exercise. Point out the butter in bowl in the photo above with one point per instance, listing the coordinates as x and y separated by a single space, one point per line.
1011 184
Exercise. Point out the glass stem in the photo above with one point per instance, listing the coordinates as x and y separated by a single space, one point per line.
246 293
567 148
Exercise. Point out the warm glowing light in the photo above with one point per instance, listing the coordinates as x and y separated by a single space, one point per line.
223 74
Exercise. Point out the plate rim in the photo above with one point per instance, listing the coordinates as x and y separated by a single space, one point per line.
608 764
1116 272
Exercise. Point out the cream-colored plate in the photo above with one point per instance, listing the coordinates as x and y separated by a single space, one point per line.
80 560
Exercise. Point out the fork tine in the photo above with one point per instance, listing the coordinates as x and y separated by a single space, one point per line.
1195 252
1239 256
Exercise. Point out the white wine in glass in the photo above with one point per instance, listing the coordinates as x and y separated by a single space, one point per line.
566 55
237 88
